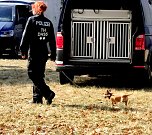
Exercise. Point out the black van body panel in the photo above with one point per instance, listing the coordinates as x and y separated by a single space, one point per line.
141 24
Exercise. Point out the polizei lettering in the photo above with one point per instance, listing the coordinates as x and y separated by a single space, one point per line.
41 23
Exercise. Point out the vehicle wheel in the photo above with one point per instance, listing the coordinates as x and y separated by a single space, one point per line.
15 52
147 76
1 53
149 73
65 77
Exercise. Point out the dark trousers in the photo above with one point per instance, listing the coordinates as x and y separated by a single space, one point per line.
36 72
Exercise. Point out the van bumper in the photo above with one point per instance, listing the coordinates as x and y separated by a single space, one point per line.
99 69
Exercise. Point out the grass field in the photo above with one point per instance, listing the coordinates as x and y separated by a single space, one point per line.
80 110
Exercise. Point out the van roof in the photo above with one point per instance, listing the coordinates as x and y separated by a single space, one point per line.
17 2
11 4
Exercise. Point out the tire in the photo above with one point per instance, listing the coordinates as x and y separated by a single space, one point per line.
147 75
1 52
15 52
65 77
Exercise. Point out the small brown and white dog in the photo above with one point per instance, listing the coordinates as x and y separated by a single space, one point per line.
117 98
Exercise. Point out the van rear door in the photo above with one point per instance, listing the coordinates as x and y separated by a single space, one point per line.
101 35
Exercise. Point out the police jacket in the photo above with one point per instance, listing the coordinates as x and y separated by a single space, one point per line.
38 38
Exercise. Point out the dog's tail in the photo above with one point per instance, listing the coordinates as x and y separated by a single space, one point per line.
129 94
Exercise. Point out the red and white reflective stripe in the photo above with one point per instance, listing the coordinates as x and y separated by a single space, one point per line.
59 40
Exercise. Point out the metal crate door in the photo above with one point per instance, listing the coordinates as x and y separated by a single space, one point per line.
119 40
82 39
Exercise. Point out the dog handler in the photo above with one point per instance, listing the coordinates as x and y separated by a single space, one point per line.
37 36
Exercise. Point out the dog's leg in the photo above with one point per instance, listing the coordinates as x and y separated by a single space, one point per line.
126 103
113 102
125 99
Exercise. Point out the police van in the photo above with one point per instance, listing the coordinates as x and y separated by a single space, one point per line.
104 38
13 17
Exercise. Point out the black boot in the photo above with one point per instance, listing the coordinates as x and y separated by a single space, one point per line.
37 96
49 95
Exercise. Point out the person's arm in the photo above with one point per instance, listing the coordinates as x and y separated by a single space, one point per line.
24 44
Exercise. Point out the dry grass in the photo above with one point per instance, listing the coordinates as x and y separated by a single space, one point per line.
75 110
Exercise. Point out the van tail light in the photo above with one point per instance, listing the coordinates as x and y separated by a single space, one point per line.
140 42
59 40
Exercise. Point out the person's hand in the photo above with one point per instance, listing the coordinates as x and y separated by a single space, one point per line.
23 56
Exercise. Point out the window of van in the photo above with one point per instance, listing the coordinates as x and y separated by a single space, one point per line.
6 14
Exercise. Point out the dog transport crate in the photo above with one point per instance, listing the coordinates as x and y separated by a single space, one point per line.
101 35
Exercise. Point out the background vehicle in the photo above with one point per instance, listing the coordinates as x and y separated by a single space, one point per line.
53 11
111 38
13 17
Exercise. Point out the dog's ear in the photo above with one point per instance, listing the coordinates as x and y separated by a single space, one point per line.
109 91
108 94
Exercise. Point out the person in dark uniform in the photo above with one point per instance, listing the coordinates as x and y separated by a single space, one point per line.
38 35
